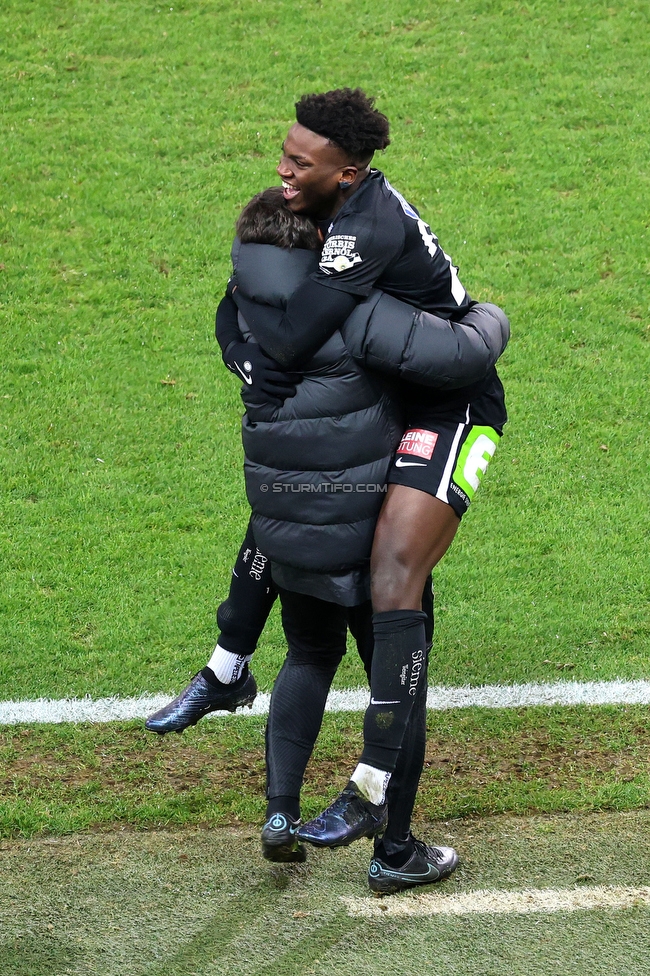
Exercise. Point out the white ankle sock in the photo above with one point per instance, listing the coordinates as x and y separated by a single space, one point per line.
371 782
226 666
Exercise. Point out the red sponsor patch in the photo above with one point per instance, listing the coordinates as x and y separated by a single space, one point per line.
418 442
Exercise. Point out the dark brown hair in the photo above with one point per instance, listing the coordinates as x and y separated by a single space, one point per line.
267 220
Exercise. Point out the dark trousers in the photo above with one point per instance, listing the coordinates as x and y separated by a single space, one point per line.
316 636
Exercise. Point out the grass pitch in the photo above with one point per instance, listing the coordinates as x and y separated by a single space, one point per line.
479 762
134 133
204 903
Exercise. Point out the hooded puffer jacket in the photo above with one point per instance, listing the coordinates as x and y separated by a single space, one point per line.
316 466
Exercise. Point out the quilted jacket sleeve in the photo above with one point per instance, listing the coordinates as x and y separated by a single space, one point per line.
392 337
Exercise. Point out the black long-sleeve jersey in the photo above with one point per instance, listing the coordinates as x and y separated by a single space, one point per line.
377 239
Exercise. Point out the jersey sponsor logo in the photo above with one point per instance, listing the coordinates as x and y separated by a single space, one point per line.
418 443
339 254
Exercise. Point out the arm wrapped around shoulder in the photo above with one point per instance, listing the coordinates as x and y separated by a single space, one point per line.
392 337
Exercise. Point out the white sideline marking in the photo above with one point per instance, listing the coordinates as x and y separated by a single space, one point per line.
45 710
525 902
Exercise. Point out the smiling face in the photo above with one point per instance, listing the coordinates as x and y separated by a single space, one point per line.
311 168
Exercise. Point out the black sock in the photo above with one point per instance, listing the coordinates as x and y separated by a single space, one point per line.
209 676
398 665
394 857
289 805
403 785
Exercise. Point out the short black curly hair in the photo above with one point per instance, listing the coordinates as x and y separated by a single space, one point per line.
348 118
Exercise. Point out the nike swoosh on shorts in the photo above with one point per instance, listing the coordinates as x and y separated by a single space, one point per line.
401 463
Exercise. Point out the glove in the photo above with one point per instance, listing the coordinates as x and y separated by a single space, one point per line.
261 374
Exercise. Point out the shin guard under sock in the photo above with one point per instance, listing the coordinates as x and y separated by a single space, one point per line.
398 665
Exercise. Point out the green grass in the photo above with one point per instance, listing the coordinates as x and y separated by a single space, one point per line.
61 779
204 902
134 133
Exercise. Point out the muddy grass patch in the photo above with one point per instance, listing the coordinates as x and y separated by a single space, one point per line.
69 777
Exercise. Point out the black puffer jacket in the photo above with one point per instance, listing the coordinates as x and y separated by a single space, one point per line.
385 334
315 467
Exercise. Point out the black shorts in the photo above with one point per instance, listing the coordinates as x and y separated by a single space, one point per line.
445 453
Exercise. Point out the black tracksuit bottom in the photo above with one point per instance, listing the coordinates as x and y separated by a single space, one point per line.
316 636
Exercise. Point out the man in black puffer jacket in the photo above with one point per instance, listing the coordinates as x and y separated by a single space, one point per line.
315 471
316 464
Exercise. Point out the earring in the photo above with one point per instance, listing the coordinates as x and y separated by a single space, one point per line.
344 184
